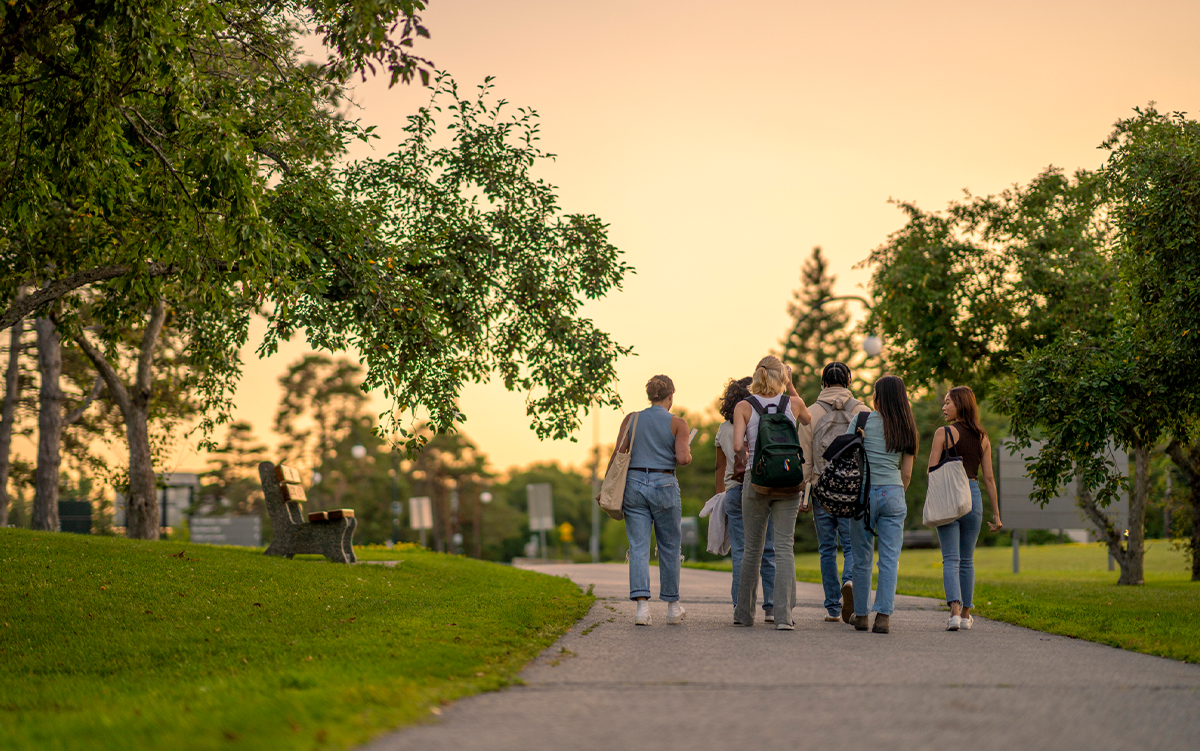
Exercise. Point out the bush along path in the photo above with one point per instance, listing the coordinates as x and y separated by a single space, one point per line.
128 644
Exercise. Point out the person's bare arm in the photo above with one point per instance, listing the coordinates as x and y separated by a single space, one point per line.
935 449
741 418
683 451
617 446
800 410
906 465
989 481
720 478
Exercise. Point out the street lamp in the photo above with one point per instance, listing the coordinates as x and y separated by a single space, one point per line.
872 345
358 451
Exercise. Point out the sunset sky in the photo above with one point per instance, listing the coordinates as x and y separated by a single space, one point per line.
722 142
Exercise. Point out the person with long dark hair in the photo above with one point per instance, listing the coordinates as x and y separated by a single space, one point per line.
958 538
729 482
891 439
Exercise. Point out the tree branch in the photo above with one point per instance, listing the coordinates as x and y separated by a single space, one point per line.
158 317
1181 460
1111 537
74 415
24 306
111 378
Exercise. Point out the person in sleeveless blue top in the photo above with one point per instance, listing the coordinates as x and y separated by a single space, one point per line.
651 498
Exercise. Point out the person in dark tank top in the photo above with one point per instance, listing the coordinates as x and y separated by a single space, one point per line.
958 538
651 500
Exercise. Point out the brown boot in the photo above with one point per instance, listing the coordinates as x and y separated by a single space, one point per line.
881 624
860 622
847 601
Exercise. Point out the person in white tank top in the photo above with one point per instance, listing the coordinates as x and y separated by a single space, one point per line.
771 379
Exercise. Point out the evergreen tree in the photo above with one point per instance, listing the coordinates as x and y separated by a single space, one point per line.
818 334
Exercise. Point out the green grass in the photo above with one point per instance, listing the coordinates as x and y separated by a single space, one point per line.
112 643
1067 590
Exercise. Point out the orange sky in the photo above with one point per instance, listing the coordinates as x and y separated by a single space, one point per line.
722 144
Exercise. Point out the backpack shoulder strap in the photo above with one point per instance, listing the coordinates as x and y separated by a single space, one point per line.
860 422
761 410
785 402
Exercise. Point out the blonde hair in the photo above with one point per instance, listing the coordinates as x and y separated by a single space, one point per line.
770 377
659 387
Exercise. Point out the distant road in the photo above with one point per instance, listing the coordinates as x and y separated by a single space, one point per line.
709 685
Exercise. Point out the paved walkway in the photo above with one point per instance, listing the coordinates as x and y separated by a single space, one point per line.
709 685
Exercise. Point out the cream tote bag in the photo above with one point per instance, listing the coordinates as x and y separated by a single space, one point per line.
612 491
949 494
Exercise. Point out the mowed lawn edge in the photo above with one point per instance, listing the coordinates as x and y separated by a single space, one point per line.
122 644
1065 590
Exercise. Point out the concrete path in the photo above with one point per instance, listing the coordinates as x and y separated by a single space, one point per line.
707 684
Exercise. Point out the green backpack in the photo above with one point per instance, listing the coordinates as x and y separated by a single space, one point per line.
778 459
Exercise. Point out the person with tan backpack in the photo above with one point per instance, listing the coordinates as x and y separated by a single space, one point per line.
832 413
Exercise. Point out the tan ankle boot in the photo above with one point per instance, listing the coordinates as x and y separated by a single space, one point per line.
881 624
860 622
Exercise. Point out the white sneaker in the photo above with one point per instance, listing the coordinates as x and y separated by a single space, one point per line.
643 614
968 622
954 624
675 613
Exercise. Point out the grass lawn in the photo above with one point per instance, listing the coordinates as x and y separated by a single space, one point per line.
109 643
1067 590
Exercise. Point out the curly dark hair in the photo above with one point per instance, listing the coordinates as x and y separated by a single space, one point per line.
735 391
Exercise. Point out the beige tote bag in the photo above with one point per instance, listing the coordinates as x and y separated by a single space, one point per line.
612 491
949 494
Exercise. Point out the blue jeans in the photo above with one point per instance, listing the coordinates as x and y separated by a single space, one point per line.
737 546
888 510
652 501
958 540
830 531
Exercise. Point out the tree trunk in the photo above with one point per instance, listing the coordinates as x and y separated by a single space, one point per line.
1135 548
50 424
141 502
1129 553
1188 462
8 415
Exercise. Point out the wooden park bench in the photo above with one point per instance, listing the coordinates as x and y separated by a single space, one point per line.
327 533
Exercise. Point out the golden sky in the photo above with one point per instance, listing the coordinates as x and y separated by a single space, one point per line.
721 142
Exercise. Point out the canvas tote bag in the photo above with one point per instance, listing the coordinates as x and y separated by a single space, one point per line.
949 494
612 491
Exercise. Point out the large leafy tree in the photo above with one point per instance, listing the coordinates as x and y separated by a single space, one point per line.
960 293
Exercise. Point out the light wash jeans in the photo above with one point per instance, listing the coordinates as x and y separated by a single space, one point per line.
757 512
830 531
737 545
652 501
888 510
958 540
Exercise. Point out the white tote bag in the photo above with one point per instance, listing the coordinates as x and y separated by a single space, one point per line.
949 494
612 491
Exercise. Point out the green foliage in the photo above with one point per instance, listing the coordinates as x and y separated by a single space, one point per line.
133 646
231 482
819 335
474 270
572 498
961 293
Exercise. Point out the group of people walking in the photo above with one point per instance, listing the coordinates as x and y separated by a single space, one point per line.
758 511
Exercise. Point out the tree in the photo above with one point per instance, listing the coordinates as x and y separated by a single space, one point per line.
820 333
960 293
1187 459
232 480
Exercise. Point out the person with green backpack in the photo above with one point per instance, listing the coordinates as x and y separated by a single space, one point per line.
765 435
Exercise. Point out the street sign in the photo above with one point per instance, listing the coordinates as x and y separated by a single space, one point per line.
541 507
420 513
689 527
1062 512
243 531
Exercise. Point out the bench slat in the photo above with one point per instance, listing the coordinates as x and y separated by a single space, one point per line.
341 513
294 492
318 516
287 474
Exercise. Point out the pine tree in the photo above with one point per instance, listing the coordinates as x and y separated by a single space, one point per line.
818 334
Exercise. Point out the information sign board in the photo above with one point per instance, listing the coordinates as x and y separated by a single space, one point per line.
1019 512
243 531
541 507
420 513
